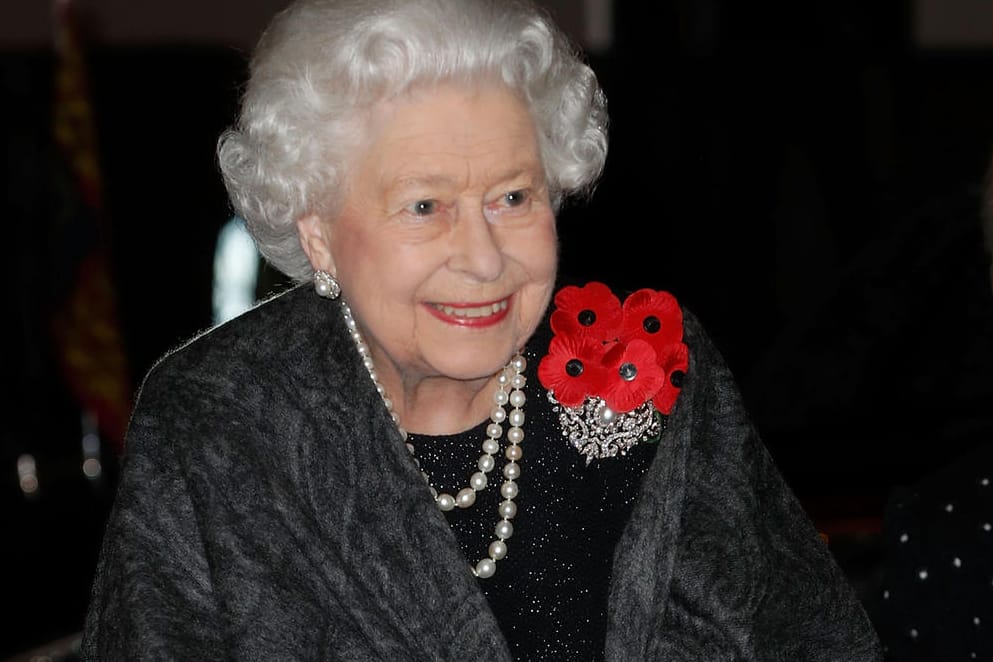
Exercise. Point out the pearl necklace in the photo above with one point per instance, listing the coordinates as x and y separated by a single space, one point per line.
510 384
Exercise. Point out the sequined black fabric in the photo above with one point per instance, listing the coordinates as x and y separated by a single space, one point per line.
550 592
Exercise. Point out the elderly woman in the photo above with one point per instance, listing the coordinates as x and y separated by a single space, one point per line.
415 459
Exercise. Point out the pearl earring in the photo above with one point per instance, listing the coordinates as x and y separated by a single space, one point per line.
325 285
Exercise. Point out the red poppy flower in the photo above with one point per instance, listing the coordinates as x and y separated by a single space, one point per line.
634 375
573 369
654 317
591 311
625 355
674 361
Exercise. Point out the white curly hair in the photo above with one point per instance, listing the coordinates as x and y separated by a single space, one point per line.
321 64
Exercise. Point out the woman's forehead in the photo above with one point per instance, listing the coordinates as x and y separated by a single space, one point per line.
432 135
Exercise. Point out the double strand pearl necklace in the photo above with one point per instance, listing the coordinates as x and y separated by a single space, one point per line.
510 385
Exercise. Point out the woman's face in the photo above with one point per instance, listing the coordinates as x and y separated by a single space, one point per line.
445 247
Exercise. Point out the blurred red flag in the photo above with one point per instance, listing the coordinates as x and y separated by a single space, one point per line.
88 339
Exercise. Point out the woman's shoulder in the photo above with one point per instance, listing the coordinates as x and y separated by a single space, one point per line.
237 385
280 339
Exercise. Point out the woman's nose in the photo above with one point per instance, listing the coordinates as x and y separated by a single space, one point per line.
475 249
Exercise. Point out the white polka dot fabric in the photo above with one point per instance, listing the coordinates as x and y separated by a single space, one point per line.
936 598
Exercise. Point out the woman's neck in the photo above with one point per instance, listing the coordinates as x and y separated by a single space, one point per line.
440 405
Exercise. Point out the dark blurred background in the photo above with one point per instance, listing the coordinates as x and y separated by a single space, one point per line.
804 176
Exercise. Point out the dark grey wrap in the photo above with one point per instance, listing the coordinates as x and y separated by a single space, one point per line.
268 511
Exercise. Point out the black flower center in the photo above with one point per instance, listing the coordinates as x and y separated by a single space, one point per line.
628 371
651 324
676 378
587 317
574 368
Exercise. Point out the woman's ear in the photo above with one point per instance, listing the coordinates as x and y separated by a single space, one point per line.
316 242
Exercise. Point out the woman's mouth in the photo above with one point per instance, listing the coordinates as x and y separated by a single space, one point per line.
471 314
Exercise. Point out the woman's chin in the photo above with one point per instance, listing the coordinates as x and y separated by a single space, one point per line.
472 363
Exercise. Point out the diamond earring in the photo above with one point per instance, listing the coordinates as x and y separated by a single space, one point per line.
325 285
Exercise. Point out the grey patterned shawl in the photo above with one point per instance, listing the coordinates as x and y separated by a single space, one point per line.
268 511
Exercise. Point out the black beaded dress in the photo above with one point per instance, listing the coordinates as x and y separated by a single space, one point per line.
550 593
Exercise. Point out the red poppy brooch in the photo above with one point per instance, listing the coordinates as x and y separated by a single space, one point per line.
613 372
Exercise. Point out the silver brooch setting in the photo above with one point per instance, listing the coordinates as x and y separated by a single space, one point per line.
598 432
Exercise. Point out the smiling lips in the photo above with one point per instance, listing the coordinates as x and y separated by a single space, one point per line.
470 314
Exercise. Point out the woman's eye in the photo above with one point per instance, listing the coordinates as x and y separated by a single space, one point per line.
510 206
423 207
516 198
